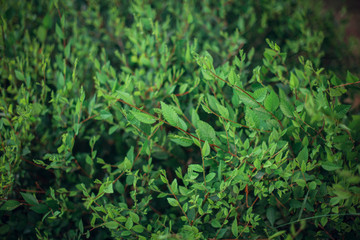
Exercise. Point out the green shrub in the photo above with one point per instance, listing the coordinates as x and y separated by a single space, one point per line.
176 120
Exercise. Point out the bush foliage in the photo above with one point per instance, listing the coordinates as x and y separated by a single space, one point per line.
176 120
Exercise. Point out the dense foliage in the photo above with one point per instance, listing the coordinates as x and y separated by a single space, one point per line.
176 120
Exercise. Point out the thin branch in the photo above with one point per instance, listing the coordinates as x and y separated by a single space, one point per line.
346 84
326 231
37 165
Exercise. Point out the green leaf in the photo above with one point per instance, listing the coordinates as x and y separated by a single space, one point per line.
113 129
250 117
138 228
142 117
41 33
272 102
126 97
130 154
173 202
129 223
169 114
341 110
234 228
205 151
104 114
81 226
267 164
301 182
208 60
222 110
322 101
19 75
244 98
277 234
213 102
303 155
194 116
10 205
163 179
206 108
210 177
207 74
207 132
215 223
323 221
350 78
77 128
232 77
182 124
111 225
341 192
257 118
294 82
125 233
174 186
271 215
108 188
161 195
334 201
286 108
67 50
260 94
91 104
134 217
40 208
330 166
196 167
182 141
29 198
337 92
126 164
59 32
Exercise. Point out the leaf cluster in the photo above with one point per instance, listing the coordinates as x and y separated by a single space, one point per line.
177 120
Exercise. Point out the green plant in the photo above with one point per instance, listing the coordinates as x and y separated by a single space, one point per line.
175 121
